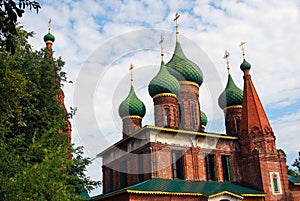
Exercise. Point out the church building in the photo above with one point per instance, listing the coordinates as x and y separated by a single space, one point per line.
177 159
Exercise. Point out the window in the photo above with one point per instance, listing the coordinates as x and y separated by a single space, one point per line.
238 123
181 116
210 167
275 182
123 174
177 165
193 116
226 168
111 184
141 167
167 117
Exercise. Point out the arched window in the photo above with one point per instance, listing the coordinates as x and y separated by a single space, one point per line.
193 116
226 167
177 165
111 179
210 167
167 117
275 183
123 174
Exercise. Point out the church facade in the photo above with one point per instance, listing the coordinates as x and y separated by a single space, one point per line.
177 159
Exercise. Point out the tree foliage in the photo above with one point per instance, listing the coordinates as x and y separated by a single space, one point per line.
34 159
296 164
9 13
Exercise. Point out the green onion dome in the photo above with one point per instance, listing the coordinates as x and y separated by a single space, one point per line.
49 38
203 118
184 69
245 65
132 106
232 95
163 82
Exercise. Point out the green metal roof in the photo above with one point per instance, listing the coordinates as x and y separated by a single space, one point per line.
294 180
184 69
49 37
245 65
163 82
232 95
132 105
186 187
203 118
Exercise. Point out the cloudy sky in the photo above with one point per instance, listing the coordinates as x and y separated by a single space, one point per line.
99 39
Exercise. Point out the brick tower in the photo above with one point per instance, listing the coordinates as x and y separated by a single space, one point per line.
131 110
49 40
190 78
262 166
230 101
164 89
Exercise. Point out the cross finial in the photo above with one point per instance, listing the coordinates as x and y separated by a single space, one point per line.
161 47
243 49
226 56
176 21
49 25
131 74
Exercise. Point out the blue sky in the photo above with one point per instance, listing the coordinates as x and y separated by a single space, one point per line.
99 39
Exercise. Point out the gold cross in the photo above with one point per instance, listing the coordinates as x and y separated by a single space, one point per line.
49 25
131 75
176 20
176 17
243 49
161 47
226 56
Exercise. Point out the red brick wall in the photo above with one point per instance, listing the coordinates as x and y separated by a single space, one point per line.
189 94
250 170
192 163
272 164
202 167
294 192
105 182
232 121
122 197
132 169
163 162
219 169
131 125
162 103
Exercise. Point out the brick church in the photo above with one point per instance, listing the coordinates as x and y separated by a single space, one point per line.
177 159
